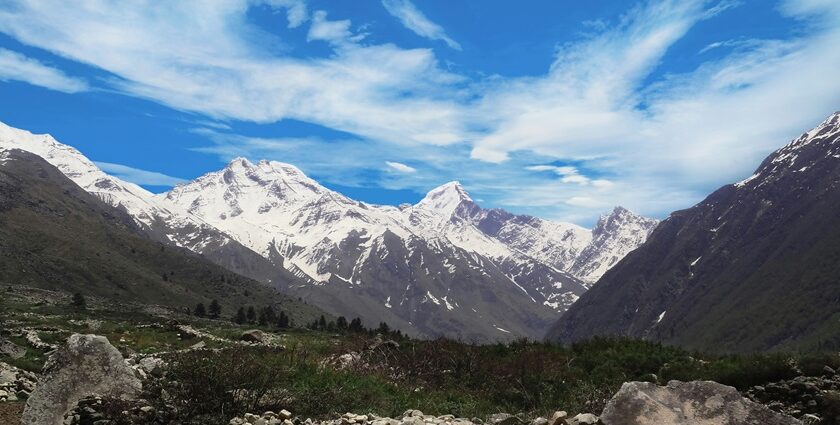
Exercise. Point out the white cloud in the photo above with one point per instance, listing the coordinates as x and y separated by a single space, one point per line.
296 11
207 58
569 174
138 176
413 19
17 67
400 167
335 32
659 145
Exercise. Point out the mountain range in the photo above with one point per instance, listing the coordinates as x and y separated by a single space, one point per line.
752 267
444 266
54 235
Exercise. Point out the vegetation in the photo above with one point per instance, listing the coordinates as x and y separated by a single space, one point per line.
303 371
447 377
78 300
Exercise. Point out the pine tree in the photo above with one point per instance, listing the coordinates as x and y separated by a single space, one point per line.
199 310
384 329
263 318
341 323
215 309
283 321
270 315
322 323
251 315
356 325
78 300
240 316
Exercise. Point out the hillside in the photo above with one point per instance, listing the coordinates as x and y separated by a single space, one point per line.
54 235
754 266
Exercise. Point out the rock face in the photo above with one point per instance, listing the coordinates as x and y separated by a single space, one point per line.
87 365
687 403
750 268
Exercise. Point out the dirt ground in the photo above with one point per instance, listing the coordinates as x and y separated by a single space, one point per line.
10 413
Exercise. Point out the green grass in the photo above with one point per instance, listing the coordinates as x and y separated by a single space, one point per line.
437 377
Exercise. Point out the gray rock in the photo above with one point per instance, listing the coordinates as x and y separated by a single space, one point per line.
503 419
253 335
558 418
87 365
11 349
588 419
540 421
687 403
151 365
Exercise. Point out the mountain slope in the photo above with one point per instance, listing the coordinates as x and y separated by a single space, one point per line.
164 223
55 235
270 222
363 259
752 267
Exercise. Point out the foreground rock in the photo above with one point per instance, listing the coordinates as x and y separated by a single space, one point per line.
687 403
87 365
15 384
814 399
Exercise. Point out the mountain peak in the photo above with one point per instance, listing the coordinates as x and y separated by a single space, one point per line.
240 162
445 198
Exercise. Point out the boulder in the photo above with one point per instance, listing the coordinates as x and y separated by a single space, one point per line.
253 335
86 365
558 418
687 403
9 348
503 419
587 419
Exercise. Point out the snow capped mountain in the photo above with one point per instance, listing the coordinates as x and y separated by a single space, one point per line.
337 243
613 237
444 266
166 223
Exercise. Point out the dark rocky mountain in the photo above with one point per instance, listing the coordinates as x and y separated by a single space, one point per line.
55 235
755 266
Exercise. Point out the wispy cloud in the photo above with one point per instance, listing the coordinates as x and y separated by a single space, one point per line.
138 176
335 32
657 142
413 19
17 67
400 167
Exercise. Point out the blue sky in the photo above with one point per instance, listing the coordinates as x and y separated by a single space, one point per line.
560 109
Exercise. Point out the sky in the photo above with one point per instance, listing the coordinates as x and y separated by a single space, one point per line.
558 108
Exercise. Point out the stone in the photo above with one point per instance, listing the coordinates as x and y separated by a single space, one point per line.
253 335
198 346
151 365
86 365
187 332
11 349
558 418
588 419
810 419
413 420
686 403
540 421
503 419
828 370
